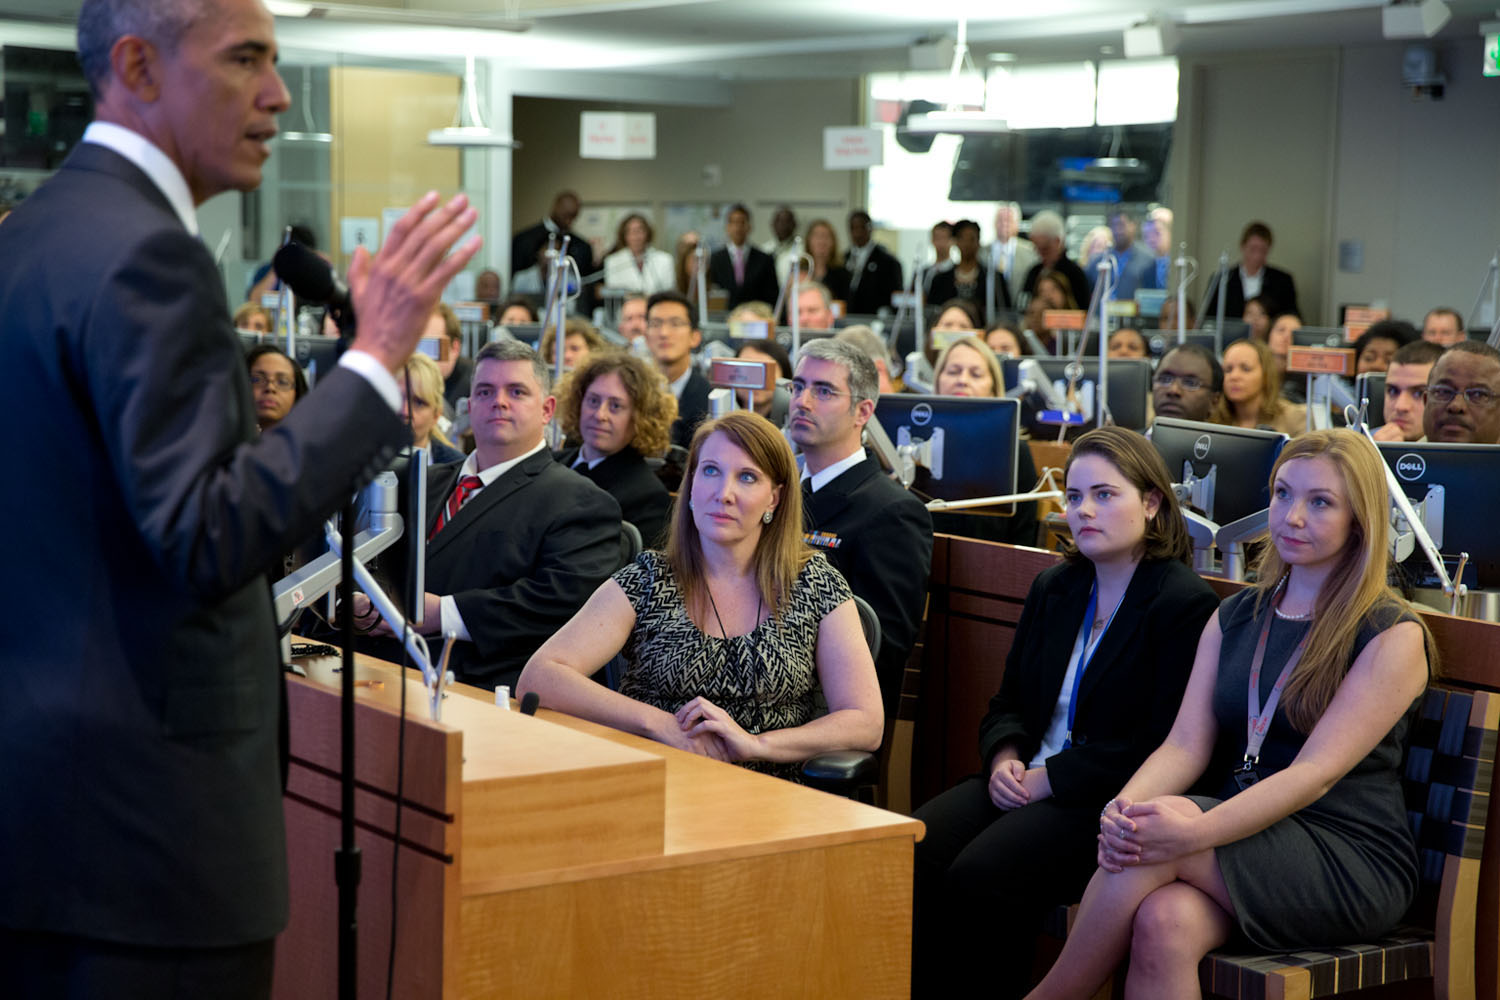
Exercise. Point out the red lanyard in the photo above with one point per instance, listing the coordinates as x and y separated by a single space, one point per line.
1259 720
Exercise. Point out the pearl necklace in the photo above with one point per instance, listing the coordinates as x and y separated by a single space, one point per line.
1276 606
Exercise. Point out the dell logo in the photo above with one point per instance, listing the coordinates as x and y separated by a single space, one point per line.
1411 467
921 414
1200 447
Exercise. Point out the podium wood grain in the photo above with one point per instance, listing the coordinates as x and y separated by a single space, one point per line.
550 857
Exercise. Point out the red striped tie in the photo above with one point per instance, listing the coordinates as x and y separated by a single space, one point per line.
467 487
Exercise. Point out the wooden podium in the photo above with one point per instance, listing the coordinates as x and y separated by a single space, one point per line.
549 857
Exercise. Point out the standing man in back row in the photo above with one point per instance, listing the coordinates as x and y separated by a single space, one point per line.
874 272
142 844
874 532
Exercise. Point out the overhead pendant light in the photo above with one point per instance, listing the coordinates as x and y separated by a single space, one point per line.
955 117
309 132
475 135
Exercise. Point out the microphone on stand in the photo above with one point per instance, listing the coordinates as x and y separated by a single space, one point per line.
313 279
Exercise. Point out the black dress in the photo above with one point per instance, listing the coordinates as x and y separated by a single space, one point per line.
1338 871
765 679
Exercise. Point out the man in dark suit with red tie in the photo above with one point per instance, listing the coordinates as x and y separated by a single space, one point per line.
747 274
516 543
142 845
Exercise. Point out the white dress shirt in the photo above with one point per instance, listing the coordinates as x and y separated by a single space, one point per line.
832 472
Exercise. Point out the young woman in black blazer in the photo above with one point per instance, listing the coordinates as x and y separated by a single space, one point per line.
1092 682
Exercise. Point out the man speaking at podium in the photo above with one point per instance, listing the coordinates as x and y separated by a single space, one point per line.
142 850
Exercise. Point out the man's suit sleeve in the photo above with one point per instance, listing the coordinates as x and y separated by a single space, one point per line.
577 530
215 504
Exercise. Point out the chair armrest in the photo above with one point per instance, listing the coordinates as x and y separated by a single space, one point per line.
841 771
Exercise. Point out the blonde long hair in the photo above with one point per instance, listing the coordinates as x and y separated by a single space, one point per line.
1357 584
427 386
780 552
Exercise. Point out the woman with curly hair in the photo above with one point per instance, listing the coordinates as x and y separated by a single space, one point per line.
623 411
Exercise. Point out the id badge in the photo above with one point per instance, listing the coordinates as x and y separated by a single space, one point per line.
1245 776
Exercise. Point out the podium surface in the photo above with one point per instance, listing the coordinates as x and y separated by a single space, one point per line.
551 857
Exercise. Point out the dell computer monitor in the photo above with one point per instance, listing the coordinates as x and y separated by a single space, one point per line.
970 445
1162 341
315 355
1232 465
1468 476
1129 385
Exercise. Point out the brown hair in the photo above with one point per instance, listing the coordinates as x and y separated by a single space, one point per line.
652 404
1270 386
1357 584
572 325
1141 464
780 552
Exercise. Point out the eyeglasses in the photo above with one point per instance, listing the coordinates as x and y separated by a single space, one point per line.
1477 397
282 383
1189 383
668 322
822 393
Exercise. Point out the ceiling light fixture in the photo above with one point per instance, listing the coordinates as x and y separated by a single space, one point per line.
476 135
956 118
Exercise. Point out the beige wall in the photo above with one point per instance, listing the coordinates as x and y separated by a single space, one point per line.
382 159
768 145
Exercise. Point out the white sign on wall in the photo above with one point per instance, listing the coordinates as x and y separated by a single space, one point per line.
355 231
852 148
617 135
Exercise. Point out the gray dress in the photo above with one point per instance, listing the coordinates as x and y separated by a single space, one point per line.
1340 870
766 679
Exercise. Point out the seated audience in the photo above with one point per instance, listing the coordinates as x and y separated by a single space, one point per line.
1047 235
422 407
749 314
1188 384
729 633
814 306
631 323
252 317
822 245
1406 392
1168 318
1304 842
1463 391
515 542
1005 340
672 335
1279 340
276 382
1127 342
1443 326
1092 682
580 339
1052 292
968 368
772 403
874 532
969 280
874 348
457 370
487 290
635 264
1252 278
1250 398
959 314
1257 317
1377 345
518 309
619 407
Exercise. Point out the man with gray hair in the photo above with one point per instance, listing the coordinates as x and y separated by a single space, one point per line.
873 531
1010 254
142 838
867 340
1049 236
516 543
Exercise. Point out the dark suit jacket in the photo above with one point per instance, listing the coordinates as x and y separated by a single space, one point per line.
520 559
1130 692
945 287
140 720
1068 268
523 250
692 407
1276 286
643 500
871 290
760 277
880 537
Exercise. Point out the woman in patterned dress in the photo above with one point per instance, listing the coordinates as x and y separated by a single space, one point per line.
727 634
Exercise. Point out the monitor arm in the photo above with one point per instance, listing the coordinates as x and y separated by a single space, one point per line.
1232 537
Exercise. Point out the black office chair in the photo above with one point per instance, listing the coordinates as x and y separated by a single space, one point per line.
630 543
850 773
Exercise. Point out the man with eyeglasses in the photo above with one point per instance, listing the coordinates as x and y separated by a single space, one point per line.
1462 395
672 335
873 531
1406 391
1187 383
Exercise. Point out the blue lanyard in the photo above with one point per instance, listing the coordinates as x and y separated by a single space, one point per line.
1086 655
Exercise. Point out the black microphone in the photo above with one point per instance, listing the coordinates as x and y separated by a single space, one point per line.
529 702
312 278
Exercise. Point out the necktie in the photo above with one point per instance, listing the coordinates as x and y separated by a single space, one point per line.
807 490
467 487
739 265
